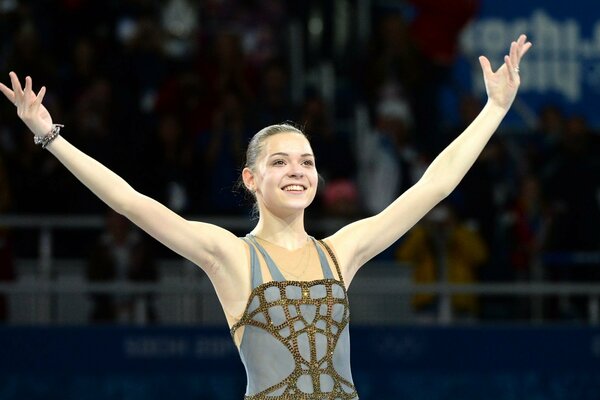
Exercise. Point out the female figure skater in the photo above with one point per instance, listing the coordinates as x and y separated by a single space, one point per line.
286 306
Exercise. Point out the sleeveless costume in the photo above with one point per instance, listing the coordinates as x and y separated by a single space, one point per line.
295 343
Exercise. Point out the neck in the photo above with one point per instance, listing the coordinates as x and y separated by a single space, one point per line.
286 232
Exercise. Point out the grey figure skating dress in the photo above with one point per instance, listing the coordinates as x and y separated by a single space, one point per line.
295 343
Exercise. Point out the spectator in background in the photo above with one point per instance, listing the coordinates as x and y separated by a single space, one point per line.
260 24
28 171
274 103
9 24
170 158
443 249
26 50
525 225
7 268
83 69
71 20
121 255
571 180
180 23
387 161
527 221
436 27
94 117
484 195
224 68
434 32
340 199
542 144
391 68
143 66
575 207
336 168
188 96
219 155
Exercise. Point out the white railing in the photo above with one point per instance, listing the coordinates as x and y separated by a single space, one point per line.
188 299
380 293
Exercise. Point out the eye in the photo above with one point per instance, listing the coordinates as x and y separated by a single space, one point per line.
310 163
278 162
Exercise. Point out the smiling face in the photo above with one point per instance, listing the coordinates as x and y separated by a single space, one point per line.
284 178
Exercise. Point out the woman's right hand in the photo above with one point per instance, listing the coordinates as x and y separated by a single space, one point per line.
29 105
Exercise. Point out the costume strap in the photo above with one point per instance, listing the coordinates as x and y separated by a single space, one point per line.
335 262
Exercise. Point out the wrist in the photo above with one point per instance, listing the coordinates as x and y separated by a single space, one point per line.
496 109
49 137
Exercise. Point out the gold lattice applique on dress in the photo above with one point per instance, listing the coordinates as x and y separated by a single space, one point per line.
295 343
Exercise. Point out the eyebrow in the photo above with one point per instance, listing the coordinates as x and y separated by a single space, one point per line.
287 155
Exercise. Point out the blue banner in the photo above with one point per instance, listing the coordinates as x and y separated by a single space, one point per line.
161 349
563 66
117 349
492 363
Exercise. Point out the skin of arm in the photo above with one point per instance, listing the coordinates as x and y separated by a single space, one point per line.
196 241
360 241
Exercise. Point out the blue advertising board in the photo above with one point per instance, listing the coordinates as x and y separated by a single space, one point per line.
562 68
492 363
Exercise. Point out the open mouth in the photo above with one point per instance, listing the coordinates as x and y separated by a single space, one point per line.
293 188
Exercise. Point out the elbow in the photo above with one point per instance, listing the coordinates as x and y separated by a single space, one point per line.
444 187
438 189
122 208
444 192
125 204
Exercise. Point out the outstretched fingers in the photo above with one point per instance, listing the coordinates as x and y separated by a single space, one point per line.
39 98
10 95
17 89
513 53
513 72
13 95
30 96
485 65
28 88
517 50
523 47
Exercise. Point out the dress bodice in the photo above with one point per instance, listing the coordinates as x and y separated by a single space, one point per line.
295 343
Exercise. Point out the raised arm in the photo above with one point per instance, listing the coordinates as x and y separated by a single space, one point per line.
199 242
362 240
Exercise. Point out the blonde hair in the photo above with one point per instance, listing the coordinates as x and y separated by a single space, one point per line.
256 144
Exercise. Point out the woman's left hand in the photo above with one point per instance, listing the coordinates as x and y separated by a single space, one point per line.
501 86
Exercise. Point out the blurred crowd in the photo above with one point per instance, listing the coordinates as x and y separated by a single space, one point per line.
168 93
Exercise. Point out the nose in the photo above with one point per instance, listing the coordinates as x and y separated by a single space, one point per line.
295 171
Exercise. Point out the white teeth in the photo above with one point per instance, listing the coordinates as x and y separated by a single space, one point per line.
293 187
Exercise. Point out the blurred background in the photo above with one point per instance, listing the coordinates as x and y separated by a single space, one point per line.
494 295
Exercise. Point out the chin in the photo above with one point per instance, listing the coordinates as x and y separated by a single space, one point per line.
296 207
291 207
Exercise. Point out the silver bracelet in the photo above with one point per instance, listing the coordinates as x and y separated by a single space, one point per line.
49 137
